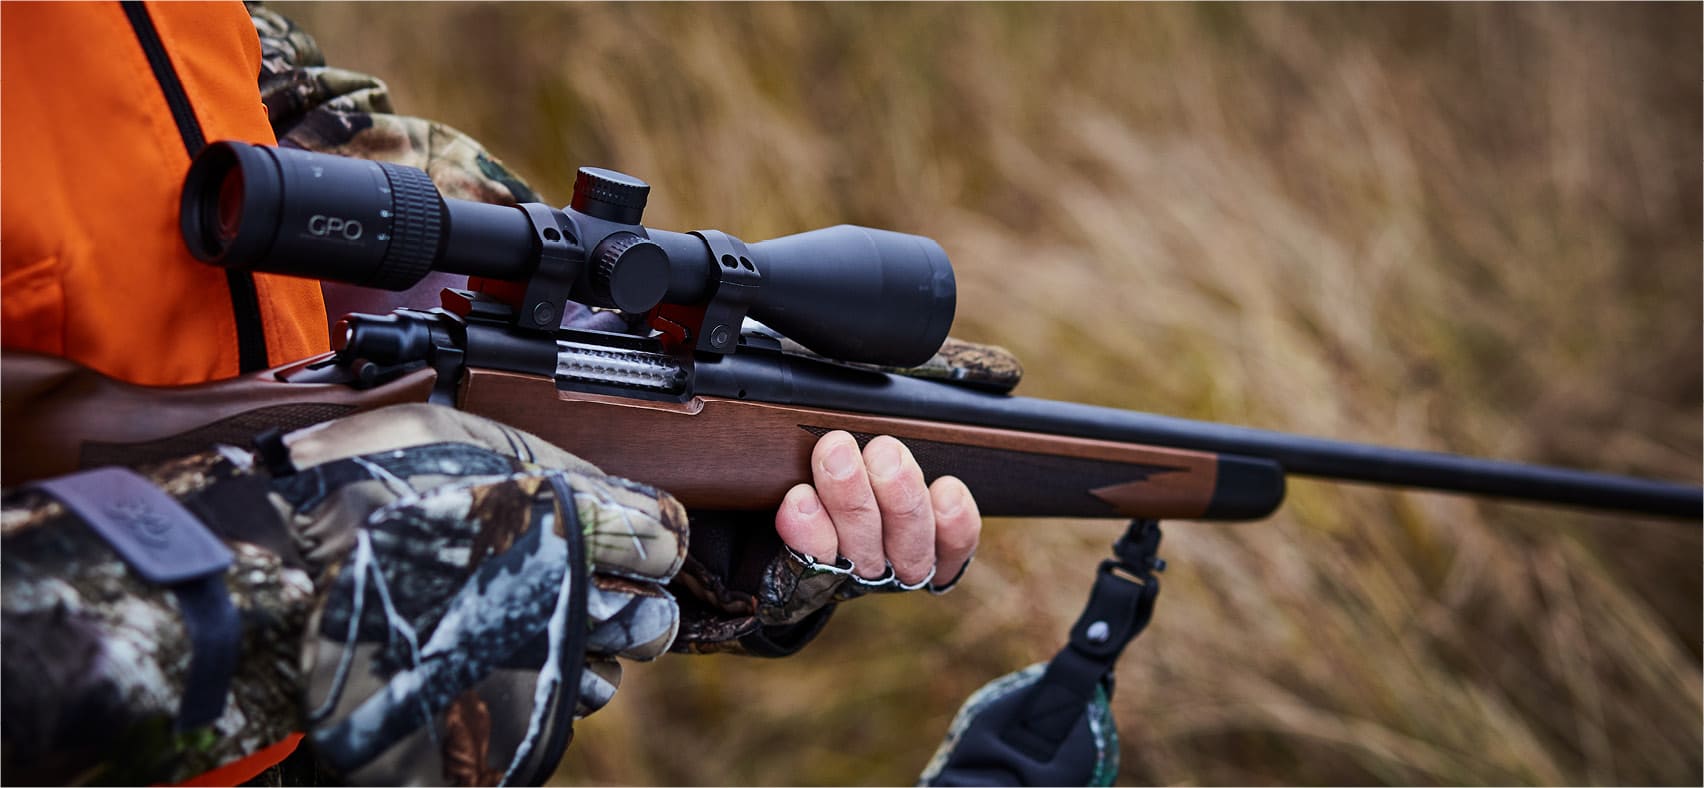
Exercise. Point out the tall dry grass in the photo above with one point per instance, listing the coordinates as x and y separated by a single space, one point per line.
1467 228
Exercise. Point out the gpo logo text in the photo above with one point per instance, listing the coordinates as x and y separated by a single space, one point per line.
324 226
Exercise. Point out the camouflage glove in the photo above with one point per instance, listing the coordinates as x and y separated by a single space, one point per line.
975 752
411 572
743 591
966 363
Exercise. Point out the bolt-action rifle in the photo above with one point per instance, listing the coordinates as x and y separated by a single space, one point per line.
735 409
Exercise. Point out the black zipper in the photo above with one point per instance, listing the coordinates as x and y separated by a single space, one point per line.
245 301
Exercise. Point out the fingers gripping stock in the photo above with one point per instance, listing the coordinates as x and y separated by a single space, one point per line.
851 293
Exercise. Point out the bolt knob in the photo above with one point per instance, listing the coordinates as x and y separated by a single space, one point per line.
629 272
609 195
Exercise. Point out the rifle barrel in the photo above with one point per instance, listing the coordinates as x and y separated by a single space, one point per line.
798 381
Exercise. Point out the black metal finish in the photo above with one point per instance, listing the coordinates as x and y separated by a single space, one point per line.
629 272
552 281
373 349
1245 488
344 220
415 232
493 241
899 306
609 195
852 293
739 285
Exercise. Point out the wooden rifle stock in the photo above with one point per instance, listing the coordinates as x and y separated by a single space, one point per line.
741 436
59 416
721 453
710 452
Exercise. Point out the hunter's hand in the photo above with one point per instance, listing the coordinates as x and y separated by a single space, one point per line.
868 524
874 509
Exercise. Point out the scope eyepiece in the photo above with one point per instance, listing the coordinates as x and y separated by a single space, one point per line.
286 211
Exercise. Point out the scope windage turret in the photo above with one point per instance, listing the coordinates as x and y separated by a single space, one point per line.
849 293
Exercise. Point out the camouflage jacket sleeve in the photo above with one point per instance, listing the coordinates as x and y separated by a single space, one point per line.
323 109
315 107
96 659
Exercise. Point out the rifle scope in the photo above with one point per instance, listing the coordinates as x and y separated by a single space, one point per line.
850 293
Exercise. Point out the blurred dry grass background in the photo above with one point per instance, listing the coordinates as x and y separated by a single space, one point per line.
1468 228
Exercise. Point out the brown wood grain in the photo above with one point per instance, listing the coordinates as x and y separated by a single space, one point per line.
60 417
717 453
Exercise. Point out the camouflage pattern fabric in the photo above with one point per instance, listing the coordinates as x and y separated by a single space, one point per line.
94 659
455 603
1102 730
988 367
777 612
410 569
332 110
452 597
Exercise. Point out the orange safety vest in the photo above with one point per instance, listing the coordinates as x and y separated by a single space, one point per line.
102 109
104 104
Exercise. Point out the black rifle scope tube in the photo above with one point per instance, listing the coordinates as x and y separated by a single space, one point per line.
852 293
